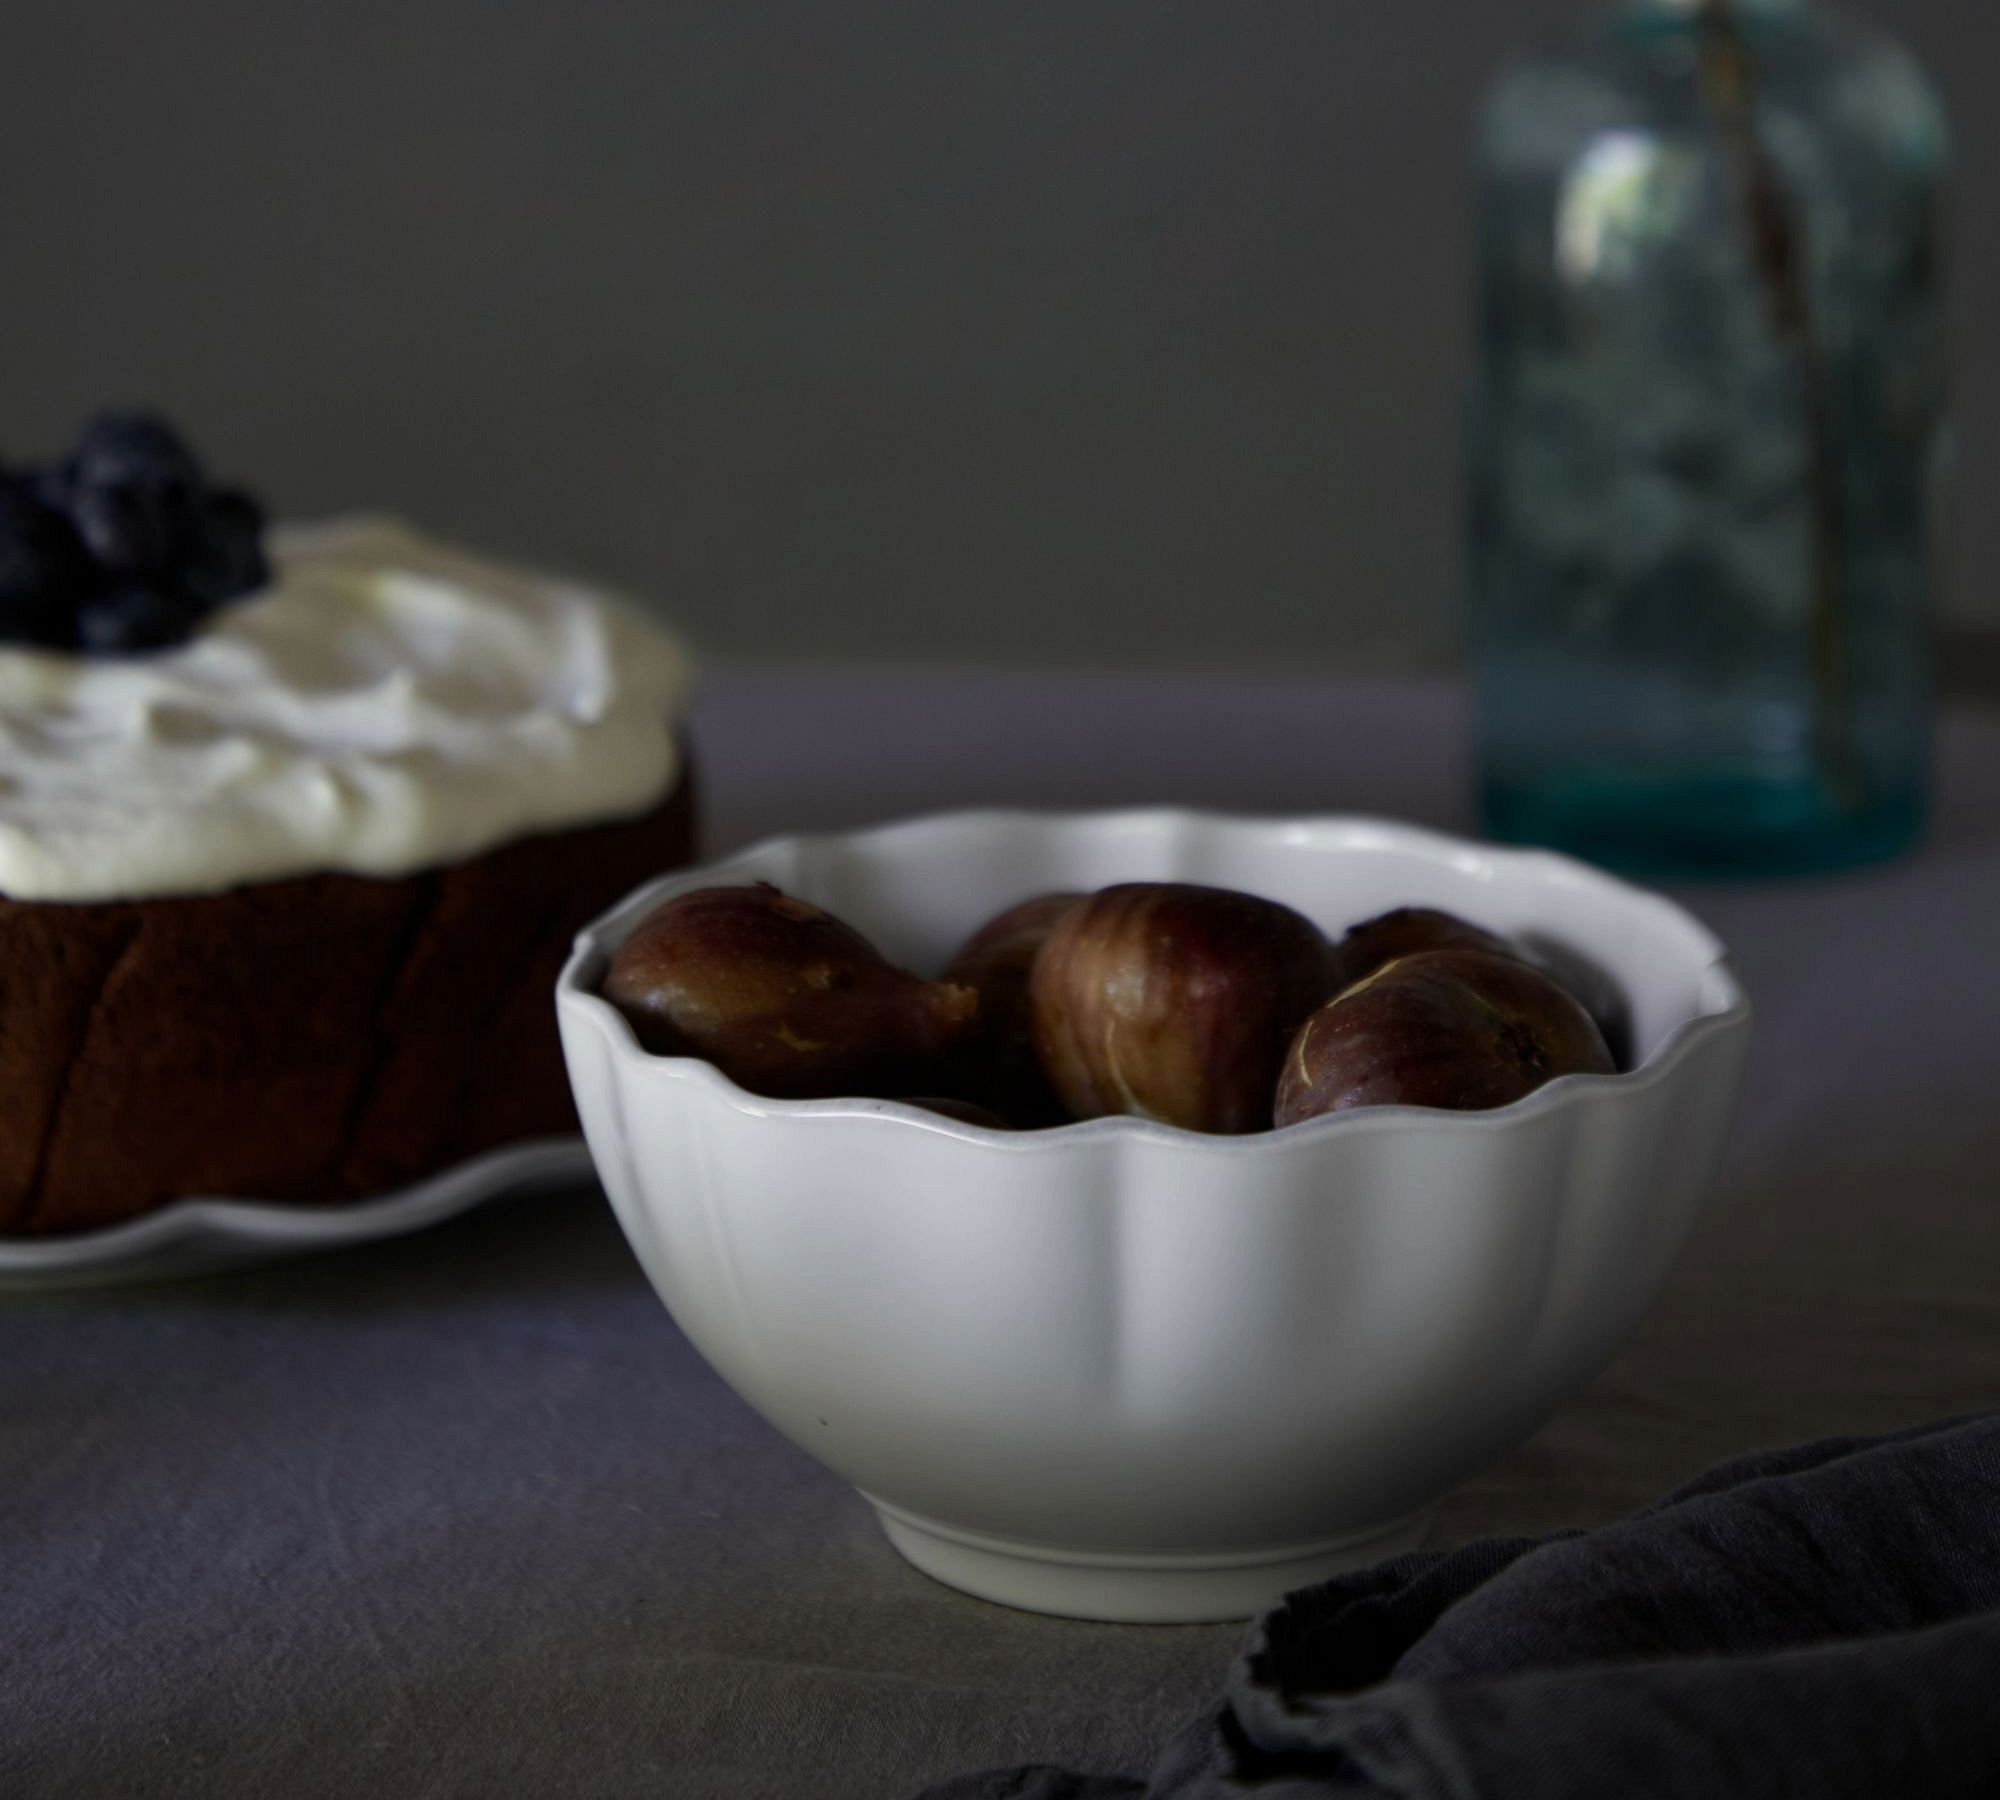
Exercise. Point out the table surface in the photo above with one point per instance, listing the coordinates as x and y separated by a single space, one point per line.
465 1515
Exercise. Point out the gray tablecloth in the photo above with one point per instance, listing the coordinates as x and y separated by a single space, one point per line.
464 1515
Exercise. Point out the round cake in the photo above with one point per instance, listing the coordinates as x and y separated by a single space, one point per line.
282 904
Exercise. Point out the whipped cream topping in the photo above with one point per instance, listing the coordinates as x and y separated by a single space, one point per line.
387 704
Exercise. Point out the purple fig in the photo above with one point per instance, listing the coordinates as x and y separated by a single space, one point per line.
1405 932
1462 1029
997 1055
1174 1003
783 998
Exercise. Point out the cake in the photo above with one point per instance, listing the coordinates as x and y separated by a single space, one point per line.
285 885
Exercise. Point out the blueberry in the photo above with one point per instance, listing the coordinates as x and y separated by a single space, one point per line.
38 550
127 616
120 548
135 449
42 569
130 527
222 555
52 485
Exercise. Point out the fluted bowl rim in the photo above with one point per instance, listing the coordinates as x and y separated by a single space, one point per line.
1725 1007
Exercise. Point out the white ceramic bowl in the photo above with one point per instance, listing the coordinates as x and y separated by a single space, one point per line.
1119 1370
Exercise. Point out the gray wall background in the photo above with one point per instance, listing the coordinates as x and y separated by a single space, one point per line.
1035 331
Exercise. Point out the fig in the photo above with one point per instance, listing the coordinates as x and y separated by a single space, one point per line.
1174 1002
784 999
997 1060
1405 932
1463 1029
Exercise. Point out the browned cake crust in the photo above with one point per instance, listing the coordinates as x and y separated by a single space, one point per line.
318 1039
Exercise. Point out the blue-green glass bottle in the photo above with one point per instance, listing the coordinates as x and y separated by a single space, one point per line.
1708 440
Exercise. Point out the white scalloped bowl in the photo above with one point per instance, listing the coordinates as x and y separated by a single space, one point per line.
1119 1370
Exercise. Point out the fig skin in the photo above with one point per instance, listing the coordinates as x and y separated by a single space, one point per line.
1460 1029
784 999
997 1064
1407 931
1174 1002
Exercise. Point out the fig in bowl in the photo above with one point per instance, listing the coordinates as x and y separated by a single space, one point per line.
782 997
1174 1001
996 1057
1459 1029
1121 1369
1404 931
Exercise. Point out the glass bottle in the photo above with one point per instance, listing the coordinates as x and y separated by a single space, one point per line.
1708 438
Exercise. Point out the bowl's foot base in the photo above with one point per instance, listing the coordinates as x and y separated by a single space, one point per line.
1186 1589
